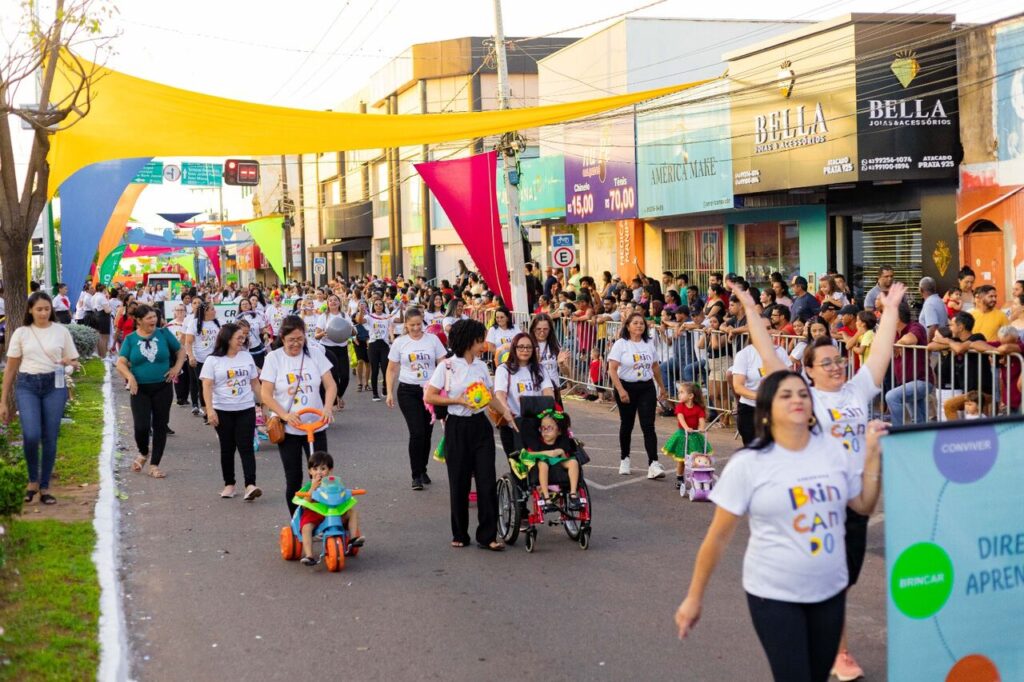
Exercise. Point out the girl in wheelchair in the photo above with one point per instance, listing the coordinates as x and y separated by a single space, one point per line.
554 447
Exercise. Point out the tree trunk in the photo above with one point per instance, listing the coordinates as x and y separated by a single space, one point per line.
14 256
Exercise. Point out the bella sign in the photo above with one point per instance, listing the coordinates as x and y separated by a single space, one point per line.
893 112
790 128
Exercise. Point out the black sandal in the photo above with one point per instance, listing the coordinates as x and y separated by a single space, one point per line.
30 495
47 498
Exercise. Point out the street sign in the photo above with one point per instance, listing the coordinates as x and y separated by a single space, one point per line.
172 173
201 174
151 174
563 240
319 265
563 257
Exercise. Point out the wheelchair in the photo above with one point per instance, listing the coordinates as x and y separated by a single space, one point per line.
520 501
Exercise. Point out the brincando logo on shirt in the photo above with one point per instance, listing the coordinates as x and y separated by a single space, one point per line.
236 381
850 434
813 523
524 387
421 364
642 364
300 390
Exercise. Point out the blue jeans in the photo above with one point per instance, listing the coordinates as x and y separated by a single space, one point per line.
40 408
913 393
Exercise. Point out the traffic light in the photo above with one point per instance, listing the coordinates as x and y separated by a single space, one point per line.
241 172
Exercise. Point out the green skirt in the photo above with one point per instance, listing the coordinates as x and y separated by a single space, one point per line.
533 457
439 454
682 444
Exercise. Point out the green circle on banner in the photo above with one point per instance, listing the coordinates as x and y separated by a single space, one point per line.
922 580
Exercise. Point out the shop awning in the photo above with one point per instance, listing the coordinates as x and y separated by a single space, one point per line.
361 244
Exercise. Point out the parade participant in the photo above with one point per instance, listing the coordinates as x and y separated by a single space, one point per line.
230 385
435 312
747 373
276 313
468 435
337 352
378 323
177 326
690 437
453 314
411 362
796 592
99 303
62 304
842 407
520 375
291 380
37 354
552 357
256 324
83 307
501 332
321 466
634 370
149 360
124 322
199 340
554 449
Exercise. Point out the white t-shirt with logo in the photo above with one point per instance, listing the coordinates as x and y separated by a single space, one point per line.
232 381
324 320
549 361
417 358
636 359
430 318
748 364
843 414
275 316
204 339
499 337
519 384
292 390
378 326
462 376
796 502
257 323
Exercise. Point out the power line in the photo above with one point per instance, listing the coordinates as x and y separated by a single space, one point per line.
305 60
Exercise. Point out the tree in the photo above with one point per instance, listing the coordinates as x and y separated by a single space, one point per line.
73 27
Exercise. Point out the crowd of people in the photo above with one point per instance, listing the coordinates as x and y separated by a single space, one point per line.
802 374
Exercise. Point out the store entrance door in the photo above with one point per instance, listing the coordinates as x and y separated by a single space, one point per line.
983 251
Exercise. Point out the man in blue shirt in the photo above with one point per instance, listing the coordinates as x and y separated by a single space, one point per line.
933 310
805 306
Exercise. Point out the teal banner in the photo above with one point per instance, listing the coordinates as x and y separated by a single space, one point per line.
541 192
954 546
684 153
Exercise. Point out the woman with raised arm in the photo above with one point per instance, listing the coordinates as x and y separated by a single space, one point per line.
842 407
794 571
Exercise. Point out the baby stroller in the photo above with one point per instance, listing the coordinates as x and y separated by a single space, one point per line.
520 500
699 475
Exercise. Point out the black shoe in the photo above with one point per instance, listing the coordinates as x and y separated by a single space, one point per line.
575 503
170 431
417 483
196 412
425 478
376 398
309 561
181 403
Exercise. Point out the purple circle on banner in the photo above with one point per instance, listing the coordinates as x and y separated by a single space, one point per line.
967 454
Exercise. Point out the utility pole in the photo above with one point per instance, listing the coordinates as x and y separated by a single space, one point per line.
509 147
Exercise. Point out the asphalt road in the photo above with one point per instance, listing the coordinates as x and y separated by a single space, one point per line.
208 596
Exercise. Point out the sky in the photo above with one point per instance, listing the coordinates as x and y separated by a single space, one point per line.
313 54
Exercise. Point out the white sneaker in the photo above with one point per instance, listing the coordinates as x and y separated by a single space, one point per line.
624 467
655 470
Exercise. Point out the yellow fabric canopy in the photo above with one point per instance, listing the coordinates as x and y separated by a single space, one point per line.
134 118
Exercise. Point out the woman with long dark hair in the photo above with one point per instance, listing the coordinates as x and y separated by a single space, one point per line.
552 358
37 354
795 580
502 331
378 322
199 340
520 375
435 310
291 380
634 370
468 435
411 362
230 385
149 360
337 351
257 322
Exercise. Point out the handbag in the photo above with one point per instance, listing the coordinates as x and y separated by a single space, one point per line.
275 425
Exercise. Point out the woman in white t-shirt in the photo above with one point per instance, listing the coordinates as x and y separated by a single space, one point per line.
230 386
794 484
842 407
337 352
454 313
291 380
200 338
747 372
275 315
38 353
501 332
257 325
177 325
520 375
552 358
634 370
411 362
468 435
435 310
378 323
99 303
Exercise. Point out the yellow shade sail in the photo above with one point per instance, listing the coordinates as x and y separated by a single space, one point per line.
134 118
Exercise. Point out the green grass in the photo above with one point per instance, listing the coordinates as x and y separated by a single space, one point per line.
49 602
79 443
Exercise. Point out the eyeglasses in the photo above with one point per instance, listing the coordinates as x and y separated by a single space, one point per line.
838 362
524 347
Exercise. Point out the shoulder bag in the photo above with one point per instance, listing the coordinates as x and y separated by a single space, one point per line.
275 425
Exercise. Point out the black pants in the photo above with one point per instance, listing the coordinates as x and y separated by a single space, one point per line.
800 640
745 424
151 409
508 439
378 363
259 356
856 543
410 402
643 400
295 452
338 355
235 431
183 386
469 454
195 385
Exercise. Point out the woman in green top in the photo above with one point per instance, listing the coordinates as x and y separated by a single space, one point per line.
149 360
